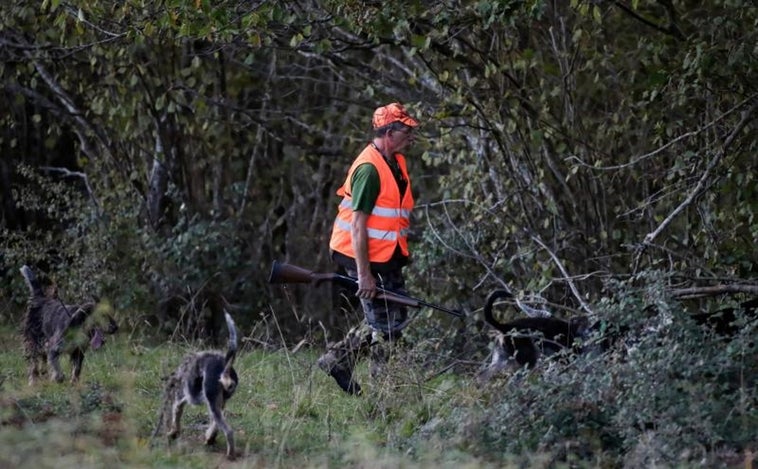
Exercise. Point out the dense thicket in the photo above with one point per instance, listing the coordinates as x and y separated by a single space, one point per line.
595 156
162 154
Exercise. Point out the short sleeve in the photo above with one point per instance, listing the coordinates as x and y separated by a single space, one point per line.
364 187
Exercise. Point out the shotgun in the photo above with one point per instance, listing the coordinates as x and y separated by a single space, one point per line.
288 273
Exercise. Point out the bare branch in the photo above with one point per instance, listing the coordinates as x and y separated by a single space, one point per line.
678 139
713 290
83 176
73 110
670 29
79 16
566 276
706 174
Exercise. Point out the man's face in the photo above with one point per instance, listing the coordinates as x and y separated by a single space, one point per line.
401 139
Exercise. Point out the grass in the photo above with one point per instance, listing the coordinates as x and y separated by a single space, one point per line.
286 413
677 398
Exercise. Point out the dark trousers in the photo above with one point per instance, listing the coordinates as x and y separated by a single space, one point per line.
381 327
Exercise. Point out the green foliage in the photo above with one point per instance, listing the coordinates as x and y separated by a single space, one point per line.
576 136
556 139
74 248
670 392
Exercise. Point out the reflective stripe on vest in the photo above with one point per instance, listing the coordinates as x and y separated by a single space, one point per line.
379 211
373 233
389 221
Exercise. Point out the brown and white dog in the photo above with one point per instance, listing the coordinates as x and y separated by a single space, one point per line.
203 378
51 327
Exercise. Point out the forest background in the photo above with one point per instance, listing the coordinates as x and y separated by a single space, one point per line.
160 155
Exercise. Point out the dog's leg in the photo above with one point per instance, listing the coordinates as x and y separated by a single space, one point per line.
33 362
500 359
33 370
53 358
176 417
170 394
215 409
77 358
211 432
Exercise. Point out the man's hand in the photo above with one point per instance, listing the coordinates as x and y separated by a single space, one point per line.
366 286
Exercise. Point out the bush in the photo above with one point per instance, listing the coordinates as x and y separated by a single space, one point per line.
668 392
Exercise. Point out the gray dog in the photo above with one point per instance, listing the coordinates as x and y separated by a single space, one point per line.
51 327
203 378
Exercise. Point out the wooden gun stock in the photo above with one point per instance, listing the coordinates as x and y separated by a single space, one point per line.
288 273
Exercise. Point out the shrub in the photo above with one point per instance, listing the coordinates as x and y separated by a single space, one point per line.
670 391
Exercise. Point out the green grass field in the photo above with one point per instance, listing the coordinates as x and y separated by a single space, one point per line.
285 413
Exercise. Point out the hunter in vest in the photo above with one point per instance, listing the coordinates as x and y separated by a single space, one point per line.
370 241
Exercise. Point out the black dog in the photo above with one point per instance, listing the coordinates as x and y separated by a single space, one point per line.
50 328
203 378
723 321
525 340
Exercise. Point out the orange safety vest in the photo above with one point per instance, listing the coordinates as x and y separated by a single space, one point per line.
389 220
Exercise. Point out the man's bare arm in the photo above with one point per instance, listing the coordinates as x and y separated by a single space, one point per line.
359 235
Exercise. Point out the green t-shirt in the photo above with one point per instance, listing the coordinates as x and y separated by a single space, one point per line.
364 187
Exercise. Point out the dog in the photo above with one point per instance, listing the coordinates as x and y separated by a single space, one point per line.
723 321
522 341
203 378
51 327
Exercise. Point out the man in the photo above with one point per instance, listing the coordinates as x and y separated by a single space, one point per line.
370 240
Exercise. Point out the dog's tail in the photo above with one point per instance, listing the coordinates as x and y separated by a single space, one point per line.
231 350
488 316
35 289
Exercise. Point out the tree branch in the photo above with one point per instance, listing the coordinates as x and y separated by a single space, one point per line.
73 110
713 290
566 276
83 176
704 178
671 29
637 159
